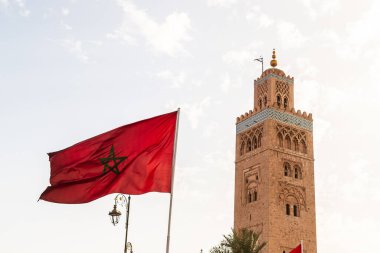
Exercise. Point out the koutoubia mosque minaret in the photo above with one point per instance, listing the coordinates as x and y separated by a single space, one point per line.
274 173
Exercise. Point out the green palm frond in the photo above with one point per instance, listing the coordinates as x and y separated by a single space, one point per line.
241 241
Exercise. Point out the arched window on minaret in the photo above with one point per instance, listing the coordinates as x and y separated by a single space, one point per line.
280 140
297 172
303 147
254 142
292 203
278 100
260 103
287 207
249 145
287 170
285 102
259 140
242 147
265 101
295 211
288 142
255 195
295 144
249 197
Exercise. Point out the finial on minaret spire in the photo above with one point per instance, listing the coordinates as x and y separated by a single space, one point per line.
273 62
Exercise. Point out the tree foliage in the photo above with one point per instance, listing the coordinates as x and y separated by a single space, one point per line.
241 241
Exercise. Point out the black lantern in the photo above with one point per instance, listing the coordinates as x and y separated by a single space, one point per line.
114 215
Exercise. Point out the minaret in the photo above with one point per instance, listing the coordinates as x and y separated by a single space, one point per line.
274 171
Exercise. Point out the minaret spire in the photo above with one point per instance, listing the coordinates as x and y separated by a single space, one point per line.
273 62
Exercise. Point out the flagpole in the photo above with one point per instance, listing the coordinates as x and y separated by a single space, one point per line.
302 246
172 181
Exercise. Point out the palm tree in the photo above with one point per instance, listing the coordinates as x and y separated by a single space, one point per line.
242 241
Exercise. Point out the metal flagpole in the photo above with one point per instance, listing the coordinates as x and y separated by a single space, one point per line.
126 224
302 246
172 182
260 59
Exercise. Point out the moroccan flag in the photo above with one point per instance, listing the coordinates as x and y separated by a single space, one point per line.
132 159
297 249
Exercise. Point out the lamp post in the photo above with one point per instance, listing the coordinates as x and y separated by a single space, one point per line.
121 200
129 246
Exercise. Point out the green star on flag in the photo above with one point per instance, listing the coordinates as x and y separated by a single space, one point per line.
115 161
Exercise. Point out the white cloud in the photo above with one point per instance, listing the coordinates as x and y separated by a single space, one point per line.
209 130
321 127
289 35
97 43
240 57
308 69
221 3
23 11
257 15
166 37
330 6
312 11
19 4
322 98
4 3
75 47
265 20
65 11
66 26
360 39
363 31
317 8
122 34
78 47
176 80
195 111
243 55
226 83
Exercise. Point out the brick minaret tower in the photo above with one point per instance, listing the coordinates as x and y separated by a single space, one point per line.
274 173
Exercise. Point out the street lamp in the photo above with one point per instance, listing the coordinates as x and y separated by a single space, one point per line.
129 246
121 200
114 215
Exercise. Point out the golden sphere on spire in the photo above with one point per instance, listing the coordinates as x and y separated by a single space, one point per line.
273 62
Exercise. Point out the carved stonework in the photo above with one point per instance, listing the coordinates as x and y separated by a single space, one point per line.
291 138
282 88
251 139
262 90
292 132
289 192
251 183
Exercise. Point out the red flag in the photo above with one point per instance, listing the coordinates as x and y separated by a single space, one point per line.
132 159
297 249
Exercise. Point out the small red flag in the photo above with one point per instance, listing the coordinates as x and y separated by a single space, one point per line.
132 159
297 249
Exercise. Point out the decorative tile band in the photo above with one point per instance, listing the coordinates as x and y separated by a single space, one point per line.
281 78
270 113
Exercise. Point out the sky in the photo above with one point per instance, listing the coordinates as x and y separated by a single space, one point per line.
72 69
